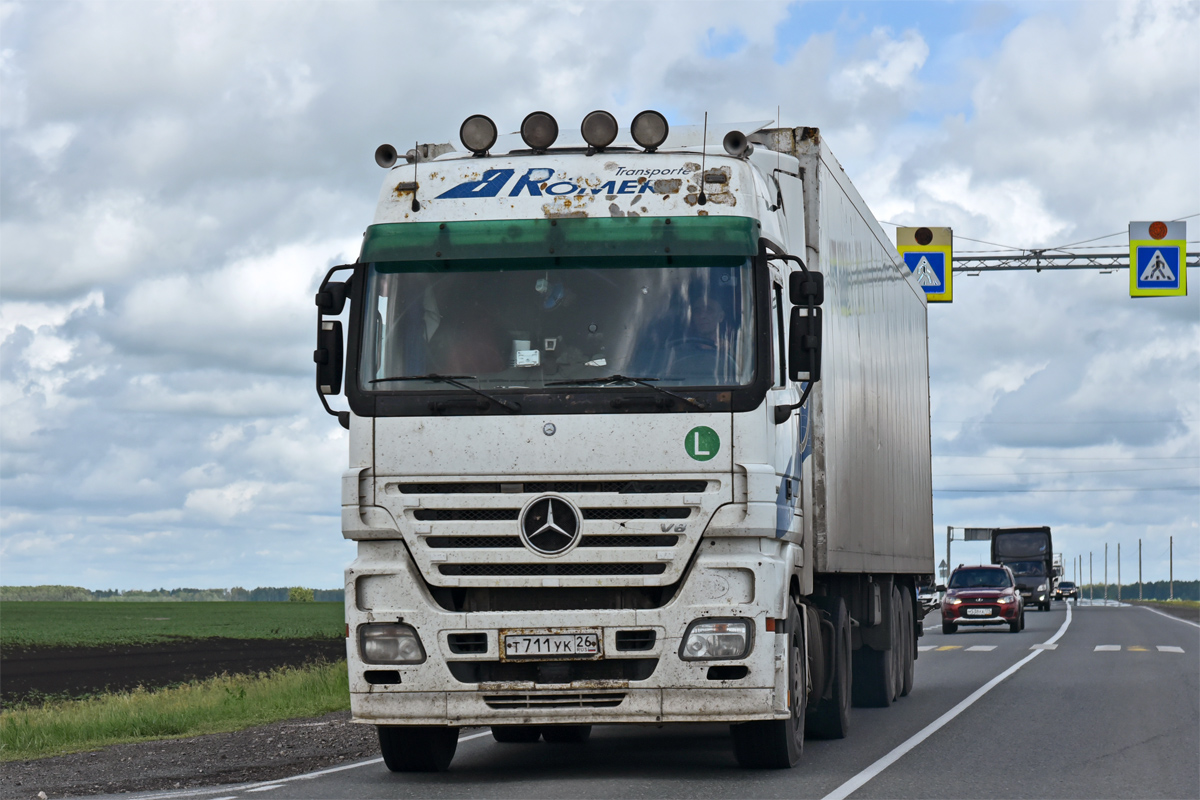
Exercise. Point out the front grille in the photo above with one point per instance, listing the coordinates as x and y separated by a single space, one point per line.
636 640
466 514
467 643
455 542
562 487
555 700
611 669
636 513
511 570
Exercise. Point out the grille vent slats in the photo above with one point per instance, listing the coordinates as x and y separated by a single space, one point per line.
475 542
556 700
512 514
561 487
529 570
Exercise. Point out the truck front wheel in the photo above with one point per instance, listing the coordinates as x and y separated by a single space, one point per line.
417 748
778 743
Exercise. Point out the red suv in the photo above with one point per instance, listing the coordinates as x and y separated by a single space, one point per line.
982 595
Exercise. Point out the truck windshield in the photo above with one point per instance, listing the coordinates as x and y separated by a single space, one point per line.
536 322
1027 569
1033 544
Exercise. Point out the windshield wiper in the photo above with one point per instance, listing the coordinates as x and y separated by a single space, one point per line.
455 380
625 378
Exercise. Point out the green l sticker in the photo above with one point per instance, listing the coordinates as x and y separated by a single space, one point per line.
702 443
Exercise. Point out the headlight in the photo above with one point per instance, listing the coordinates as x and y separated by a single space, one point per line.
1004 600
712 639
394 643
1044 587
954 601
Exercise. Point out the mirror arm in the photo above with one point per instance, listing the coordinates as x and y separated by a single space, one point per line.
331 299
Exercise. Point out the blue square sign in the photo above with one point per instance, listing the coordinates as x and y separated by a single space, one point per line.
929 267
1157 266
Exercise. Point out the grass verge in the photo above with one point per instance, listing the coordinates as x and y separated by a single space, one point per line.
216 705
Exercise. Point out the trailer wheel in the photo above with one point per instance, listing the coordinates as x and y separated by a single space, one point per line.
909 654
566 734
778 743
516 734
897 644
829 718
875 673
410 748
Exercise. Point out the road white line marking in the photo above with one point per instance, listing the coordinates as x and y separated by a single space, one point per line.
1171 616
1044 647
1106 648
226 797
925 648
1167 648
266 788
981 648
855 783
275 784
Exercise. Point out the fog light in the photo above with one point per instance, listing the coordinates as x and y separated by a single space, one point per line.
539 130
716 639
599 129
394 643
649 129
478 134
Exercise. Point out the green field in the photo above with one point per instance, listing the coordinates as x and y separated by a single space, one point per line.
84 624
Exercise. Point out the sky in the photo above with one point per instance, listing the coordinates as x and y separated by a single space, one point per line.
176 177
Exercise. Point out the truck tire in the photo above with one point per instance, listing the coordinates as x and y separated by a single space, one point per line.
566 734
778 743
516 734
408 748
898 644
874 676
909 654
829 718
949 627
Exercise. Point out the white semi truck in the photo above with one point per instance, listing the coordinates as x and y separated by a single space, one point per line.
639 433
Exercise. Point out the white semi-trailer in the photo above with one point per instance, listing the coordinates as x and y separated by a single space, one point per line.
639 433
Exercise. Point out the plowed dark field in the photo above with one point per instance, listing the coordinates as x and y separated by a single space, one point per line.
34 672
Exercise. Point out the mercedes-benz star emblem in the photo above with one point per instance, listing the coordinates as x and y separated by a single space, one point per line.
549 526
549 429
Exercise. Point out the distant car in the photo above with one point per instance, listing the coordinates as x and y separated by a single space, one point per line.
1066 590
982 595
928 597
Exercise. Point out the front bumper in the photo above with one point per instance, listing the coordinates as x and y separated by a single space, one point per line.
725 581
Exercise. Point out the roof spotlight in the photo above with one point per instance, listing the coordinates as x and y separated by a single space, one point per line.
478 134
736 144
539 130
385 156
599 129
649 129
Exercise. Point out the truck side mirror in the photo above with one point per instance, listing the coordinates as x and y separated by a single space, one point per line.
806 288
331 299
804 345
328 357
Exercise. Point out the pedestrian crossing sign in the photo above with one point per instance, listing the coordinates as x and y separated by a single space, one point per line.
927 253
1157 259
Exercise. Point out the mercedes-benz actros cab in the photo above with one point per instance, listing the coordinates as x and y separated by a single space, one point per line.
638 433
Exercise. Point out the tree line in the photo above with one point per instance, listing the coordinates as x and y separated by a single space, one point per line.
274 594
1151 590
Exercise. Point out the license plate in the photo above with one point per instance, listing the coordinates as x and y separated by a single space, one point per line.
979 612
552 645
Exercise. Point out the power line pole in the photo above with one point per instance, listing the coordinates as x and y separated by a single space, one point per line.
1139 569
1172 568
1106 573
1118 572
1091 580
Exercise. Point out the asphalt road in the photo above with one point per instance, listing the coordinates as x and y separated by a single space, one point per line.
992 714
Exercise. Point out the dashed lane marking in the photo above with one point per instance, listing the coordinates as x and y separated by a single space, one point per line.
981 648
950 647
1136 649
925 648
1105 648
854 784
1044 647
1168 648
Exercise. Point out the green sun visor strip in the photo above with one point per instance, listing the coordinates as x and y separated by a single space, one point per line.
586 241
